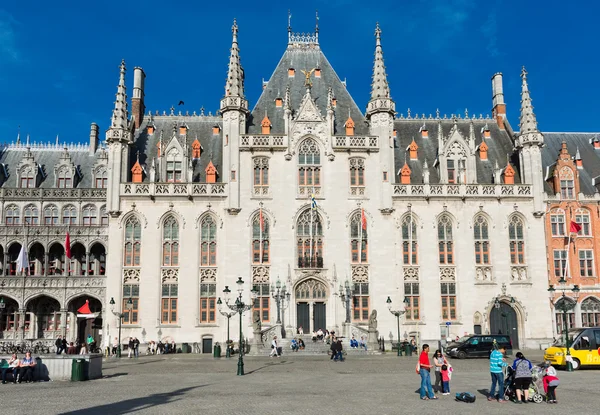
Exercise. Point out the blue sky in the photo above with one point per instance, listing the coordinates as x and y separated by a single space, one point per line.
59 62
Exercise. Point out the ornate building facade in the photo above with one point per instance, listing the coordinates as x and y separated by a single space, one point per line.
305 189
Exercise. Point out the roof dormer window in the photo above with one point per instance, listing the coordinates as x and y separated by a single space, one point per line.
64 179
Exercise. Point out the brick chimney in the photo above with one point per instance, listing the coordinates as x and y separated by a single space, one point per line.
499 107
137 100
93 138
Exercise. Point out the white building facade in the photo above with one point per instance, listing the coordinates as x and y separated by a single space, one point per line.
442 213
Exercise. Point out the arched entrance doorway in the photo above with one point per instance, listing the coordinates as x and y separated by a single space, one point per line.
311 297
503 320
86 323
42 318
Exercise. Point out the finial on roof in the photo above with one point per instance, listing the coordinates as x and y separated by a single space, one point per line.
120 113
577 154
27 140
289 21
202 111
528 122
316 21
57 141
137 156
466 113
287 104
437 113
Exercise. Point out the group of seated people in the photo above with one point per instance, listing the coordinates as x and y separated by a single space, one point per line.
355 344
297 344
21 370
323 336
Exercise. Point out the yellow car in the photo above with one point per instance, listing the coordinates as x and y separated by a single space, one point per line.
584 348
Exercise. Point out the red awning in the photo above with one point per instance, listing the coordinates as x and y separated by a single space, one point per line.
85 309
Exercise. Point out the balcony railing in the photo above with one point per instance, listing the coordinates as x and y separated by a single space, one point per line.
248 142
52 194
341 143
463 190
307 262
174 189
52 281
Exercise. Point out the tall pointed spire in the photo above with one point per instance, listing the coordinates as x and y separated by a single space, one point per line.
528 123
234 86
379 86
380 90
235 75
119 122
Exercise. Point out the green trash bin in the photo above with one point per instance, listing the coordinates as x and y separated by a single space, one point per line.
217 351
77 374
408 350
185 348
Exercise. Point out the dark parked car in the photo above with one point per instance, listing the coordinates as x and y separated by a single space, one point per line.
478 345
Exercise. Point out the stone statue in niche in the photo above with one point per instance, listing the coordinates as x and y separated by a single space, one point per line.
256 323
373 320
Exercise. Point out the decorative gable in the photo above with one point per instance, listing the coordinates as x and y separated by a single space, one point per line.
509 174
211 173
483 149
349 126
196 149
28 174
412 149
65 172
405 174
308 109
265 125
136 172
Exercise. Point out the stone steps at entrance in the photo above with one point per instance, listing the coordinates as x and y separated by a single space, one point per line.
316 348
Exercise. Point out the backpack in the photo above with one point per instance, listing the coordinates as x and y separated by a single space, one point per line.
465 397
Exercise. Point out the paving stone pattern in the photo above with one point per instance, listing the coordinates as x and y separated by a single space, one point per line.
292 384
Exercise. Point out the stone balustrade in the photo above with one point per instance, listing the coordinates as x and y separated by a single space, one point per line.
343 143
463 190
250 142
30 194
174 189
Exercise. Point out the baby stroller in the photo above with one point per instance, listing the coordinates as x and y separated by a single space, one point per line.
535 387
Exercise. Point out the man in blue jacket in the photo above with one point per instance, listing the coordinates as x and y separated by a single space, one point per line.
496 364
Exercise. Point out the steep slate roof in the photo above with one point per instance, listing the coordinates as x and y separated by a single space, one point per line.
200 127
589 156
499 145
305 57
48 156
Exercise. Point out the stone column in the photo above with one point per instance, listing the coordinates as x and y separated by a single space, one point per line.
87 264
63 322
311 316
46 262
21 328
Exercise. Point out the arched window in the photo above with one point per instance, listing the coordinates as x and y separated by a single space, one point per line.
261 176
358 237
446 246
482 241
133 237
456 163
567 183
409 240
174 166
89 214
357 176
170 242
309 170
27 177
101 177
208 241
50 215
12 215
557 222
590 312
103 216
260 239
31 215
64 179
309 236
582 217
517 240
69 215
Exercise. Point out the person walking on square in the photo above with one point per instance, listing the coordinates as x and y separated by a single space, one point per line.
424 368
274 347
115 345
496 364
438 360
136 347
65 345
58 344
522 368
130 347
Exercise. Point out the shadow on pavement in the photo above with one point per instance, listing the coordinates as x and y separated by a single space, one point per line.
484 392
136 404
268 365
114 375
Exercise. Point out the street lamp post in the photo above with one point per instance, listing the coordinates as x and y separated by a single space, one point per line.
119 314
226 292
397 313
346 296
565 306
239 306
279 294
2 307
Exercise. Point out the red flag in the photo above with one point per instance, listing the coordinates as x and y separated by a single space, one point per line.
261 221
363 219
68 246
575 227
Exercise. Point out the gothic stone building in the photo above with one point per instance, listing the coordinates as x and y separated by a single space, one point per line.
443 212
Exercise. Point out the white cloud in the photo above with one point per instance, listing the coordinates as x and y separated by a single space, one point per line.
8 47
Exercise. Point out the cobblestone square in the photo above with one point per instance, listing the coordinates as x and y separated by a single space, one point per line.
293 384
